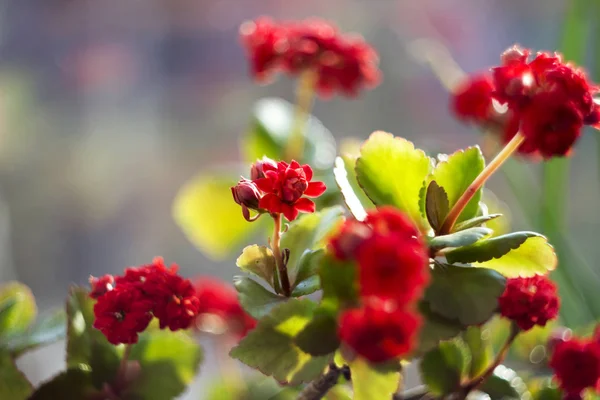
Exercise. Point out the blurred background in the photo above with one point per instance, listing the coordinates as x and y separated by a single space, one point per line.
108 107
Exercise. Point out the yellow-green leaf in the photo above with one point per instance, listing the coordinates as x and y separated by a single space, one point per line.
17 308
371 383
259 261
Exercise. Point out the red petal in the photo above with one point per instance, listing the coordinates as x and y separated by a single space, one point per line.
294 164
264 184
305 205
308 172
315 189
271 203
290 212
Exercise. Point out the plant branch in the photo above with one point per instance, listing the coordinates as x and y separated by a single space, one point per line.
488 171
417 393
318 388
281 267
124 359
305 92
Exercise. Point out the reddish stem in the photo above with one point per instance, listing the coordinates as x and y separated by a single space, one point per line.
281 267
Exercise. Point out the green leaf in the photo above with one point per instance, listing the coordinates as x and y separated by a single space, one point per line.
354 197
259 261
369 383
270 346
307 280
473 222
255 299
455 175
319 337
272 122
391 171
480 348
204 209
444 368
46 331
169 362
437 205
87 347
435 329
13 383
74 383
505 384
17 308
339 280
467 294
309 232
459 239
516 254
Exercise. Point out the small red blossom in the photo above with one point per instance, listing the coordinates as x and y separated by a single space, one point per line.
122 314
175 302
284 187
379 331
529 301
576 365
340 63
247 195
136 276
220 299
472 100
100 286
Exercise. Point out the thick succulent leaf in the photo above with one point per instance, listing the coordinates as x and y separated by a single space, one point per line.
444 368
169 362
74 383
459 239
339 280
271 125
13 383
474 222
270 346
204 209
319 337
516 254
391 171
309 232
437 205
469 295
456 173
259 261
17 308
369 382
255 299
435 329
480 348
354 197
307 280
46 331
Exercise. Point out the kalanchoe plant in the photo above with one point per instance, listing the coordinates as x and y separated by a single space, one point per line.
374 259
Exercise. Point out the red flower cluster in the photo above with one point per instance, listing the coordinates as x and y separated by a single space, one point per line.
529 301
576 365
546 99
126 304
278 188
220 299
392 265
344 63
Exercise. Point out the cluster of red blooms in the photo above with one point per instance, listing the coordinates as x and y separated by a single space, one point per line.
344 63
547 100
277 188
126 304
393 271
576 365
529 301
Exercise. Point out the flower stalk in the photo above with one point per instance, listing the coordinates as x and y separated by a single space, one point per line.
281 267
305 93
487 172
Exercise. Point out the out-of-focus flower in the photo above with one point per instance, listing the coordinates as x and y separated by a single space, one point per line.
100 286
576 365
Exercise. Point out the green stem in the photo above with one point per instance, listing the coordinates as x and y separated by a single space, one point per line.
281 267
478 183
124 359
305 92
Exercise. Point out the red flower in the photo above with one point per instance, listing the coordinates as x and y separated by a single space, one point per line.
529 301
175 302
379 331
257 169
576 365
352 233
101 285
472 100
265 42
220 299
136 276
284 187
121 314
344 63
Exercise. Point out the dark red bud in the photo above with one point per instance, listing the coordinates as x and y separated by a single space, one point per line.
245 193
256 171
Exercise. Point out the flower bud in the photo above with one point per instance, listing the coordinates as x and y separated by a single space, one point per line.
101 285
245 193
514 53
256 171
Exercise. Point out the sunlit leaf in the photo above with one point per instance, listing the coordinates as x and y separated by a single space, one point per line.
259 261
13 383
370 383
437 205
17 308
459 239
443 368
